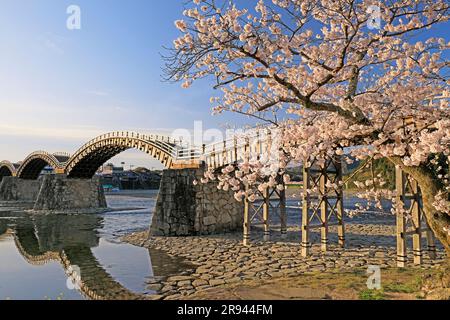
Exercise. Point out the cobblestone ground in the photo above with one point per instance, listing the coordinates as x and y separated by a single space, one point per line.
222 260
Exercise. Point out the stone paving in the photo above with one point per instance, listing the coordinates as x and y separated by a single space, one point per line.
221 260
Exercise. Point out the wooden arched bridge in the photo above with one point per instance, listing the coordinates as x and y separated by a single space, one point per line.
172 153
185 209
86 160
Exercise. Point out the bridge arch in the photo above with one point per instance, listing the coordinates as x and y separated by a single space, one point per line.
33 165
85 162
7 169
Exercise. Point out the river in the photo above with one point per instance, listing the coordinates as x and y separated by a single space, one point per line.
39 252
81 257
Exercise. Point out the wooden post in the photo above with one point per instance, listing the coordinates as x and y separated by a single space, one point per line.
224 154
431 243
283 217
305 213
258 146
401 221
266 206
247 221
323 209
213 155
247 215
235 149
417 222
340 204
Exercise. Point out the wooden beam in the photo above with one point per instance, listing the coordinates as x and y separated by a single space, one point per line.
416 221
431 245
323 209
247 221
266 206
283 215
305 213
340 204
401 221
320 226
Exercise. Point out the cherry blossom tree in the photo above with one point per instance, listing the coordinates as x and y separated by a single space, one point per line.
359 77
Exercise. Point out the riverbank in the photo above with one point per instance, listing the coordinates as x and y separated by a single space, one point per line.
225 269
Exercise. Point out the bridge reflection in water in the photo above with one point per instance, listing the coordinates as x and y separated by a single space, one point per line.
71 241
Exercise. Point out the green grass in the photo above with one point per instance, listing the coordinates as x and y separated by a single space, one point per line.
409 287
369 294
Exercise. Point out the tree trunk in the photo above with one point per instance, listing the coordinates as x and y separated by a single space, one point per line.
430 187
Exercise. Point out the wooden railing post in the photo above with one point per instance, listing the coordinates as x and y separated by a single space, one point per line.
235 149
224 154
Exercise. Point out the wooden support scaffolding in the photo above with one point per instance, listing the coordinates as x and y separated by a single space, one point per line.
268 202
411 220
317 179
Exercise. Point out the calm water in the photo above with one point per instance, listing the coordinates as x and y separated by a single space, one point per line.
37 254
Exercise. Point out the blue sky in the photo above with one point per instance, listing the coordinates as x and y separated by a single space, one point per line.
59 88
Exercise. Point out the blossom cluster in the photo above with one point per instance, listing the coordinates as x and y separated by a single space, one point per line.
341 87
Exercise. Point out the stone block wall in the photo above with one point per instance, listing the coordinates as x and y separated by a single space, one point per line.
15 189
58 193
184 209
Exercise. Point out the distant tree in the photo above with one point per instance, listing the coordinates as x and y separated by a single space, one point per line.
347 73
380 170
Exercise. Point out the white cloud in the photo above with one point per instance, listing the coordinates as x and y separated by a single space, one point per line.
53 46
99 93
52 42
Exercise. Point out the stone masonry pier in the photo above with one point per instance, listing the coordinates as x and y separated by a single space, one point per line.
184 209
60 194
19 190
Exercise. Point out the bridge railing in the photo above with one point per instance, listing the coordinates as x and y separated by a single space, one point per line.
215 154
256 141
193 153
165 143
63 154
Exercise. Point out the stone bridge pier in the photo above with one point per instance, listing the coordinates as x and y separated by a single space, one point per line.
19 190
184 209
55 193
60 194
